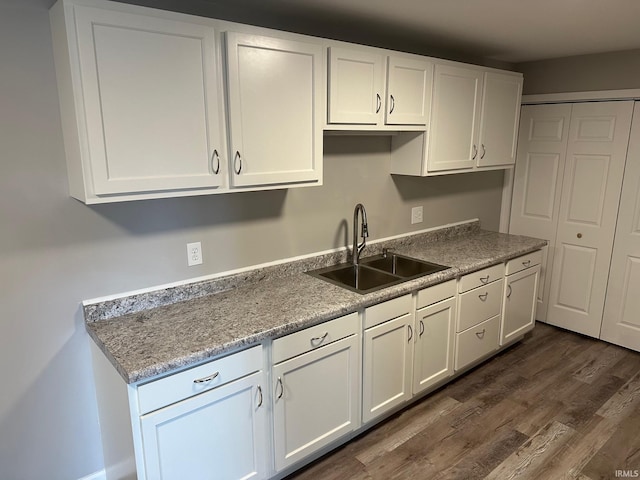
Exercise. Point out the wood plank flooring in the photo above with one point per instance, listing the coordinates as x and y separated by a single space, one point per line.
555 406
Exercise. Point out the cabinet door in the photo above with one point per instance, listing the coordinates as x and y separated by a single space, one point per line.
387 362
408 91
316 399
356 87
219 434
621 322
455 118
434 347
501 96
150 125
275 110
596 154
538 178
519 309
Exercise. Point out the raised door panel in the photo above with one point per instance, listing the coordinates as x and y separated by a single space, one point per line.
519 309
408 91
596 154
274 86
454 118
387 359
218 434
500 115
538 178
621 320
316 399
434 347
150 126
356 87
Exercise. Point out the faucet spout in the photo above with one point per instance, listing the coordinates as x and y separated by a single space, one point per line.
364 232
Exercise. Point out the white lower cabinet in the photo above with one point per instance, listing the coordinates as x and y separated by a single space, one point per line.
316 392
387 356
520 297
220 433
435 329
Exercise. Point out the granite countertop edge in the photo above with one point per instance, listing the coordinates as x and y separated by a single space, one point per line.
118 344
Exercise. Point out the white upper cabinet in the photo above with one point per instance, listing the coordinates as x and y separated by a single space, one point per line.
408 91
134 121
368 89
455 118
356 86
275 110
499 121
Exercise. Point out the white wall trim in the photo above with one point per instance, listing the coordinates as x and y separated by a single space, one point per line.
591 96
100 475
213 276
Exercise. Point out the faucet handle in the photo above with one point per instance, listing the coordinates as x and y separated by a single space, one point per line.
365 230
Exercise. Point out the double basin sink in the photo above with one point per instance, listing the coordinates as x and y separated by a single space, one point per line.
376 272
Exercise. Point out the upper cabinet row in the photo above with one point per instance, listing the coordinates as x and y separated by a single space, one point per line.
160 104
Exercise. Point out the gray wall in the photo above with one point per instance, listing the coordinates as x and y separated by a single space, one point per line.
55 251
604 71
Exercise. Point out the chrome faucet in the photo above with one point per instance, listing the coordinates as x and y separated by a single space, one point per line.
364 233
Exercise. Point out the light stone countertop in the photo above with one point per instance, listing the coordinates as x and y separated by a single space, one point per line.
150 342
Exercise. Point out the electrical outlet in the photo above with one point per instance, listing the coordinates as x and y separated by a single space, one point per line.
416 215
194 254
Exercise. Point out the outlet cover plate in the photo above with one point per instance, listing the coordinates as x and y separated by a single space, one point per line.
194 254
416 215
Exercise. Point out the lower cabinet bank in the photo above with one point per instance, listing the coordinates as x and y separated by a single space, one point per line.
265 411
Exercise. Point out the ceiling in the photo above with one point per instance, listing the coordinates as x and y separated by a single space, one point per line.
511 31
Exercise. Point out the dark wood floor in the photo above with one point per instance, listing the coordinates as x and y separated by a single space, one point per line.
555 406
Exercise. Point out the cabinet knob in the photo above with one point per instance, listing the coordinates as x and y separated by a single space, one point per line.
579 235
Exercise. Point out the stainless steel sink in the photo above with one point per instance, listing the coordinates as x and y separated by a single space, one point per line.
402 266
377 272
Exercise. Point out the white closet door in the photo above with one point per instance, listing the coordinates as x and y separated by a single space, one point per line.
596 154
621 322
542 149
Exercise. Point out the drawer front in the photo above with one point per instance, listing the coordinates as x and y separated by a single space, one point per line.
518 264
168 390
480 278
314 337
479 304
436 293
477 342
387 310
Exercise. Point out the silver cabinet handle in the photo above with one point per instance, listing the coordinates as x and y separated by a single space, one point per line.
480 335
237 162
393 104
527 263
215 157
260 393
317 340
378 102
484 151
410 329
279 382
475 152
510 290
485 280
421 327
483 296
206 379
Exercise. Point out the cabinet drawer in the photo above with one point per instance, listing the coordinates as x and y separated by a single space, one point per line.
436 294
168 390
479 304
387 310
314 337
518 264
477 342
481 277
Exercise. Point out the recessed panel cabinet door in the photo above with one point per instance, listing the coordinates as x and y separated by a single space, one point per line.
150 94
217 434
621 321
455 118
519 309
596 154
275 110
408 91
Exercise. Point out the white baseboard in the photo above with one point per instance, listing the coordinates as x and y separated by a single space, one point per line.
100 475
